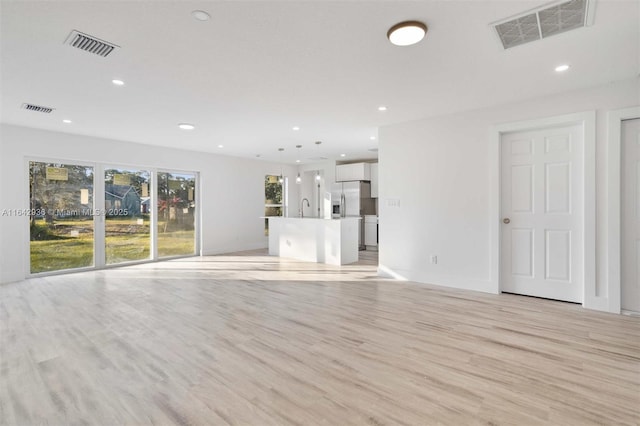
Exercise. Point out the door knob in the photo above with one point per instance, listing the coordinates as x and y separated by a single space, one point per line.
506 220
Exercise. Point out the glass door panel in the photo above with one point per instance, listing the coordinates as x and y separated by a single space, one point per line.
176 214
127 215
62 216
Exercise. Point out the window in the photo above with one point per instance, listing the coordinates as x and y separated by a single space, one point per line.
91 216
127 215
176 214
274 204
61 216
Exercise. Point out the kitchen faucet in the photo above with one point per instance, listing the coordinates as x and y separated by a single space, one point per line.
302 206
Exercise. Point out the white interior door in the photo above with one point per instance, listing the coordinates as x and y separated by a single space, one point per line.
542 213
630 192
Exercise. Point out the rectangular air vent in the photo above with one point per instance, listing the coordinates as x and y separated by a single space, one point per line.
37 108
90 43
544 22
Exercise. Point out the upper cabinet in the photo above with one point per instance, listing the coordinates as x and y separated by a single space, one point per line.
354 171
374 180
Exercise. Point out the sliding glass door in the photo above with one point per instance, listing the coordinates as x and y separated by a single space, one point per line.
61 221
176 214
127 224
92 216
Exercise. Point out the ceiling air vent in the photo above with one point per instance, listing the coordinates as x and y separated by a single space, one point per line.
90 43
544 22
37 108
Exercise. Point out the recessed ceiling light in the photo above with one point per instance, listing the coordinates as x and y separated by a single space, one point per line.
373 138
382 108
407 33
118 82
186 126
343 155
297 161
562 68
295 128
66 121
220 146
200 15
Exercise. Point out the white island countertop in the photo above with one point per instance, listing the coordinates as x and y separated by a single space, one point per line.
312 239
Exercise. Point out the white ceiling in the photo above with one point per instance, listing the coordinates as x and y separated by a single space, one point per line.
257 69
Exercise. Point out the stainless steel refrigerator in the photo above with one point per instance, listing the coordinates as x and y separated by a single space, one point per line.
357 201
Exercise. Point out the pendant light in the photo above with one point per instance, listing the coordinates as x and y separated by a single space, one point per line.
318 177
281 178
298 178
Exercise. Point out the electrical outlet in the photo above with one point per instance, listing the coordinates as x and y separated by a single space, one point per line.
434 259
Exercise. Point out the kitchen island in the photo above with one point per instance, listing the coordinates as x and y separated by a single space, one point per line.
331 241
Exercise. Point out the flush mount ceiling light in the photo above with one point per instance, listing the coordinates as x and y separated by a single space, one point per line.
66 121
382 108
296 128
186 126
407 33
562 68
220 146
373 138
297 161
118 82
200 15
343 155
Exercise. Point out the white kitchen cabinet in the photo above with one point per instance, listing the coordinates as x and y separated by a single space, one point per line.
353 172
374 180
371 231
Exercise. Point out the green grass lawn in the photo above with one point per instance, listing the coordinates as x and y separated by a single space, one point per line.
126 240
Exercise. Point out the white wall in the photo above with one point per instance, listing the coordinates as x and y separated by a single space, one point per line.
440 170
231 199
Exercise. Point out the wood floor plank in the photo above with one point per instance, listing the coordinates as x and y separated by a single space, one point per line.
248 339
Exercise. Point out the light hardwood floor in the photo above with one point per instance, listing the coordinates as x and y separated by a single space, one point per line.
255 340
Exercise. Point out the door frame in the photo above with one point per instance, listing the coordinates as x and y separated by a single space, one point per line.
615 118
587 120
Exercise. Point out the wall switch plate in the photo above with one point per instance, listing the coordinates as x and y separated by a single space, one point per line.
434 259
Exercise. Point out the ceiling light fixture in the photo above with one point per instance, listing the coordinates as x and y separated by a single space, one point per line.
562 68
343 155
382 108
297 161
318 177
407 33
220 146
200 15
186 126
373 138
298 178
296 128
66 121
118 82
281 178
